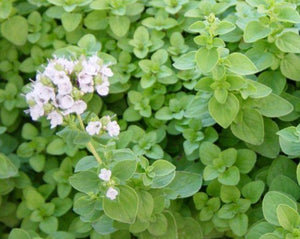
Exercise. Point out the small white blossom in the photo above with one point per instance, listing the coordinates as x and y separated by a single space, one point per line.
107 71
102 90
65 101
113 128
36 111
55 119
93 127
65 87
90 67
112 193
43 93
78 107
105 174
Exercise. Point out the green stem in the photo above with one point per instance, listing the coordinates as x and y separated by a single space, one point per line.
90 146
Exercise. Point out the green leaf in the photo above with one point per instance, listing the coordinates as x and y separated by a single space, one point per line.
185 184
284 184
273 106
37 162
124 208
229 193
49 225
33 199
70 21
298 173
208 152
207 59
96 20
146 205
186 61
270 203
85 182
258 229
288 42
245 161
240 64
230 177
253 190
288 14
124 169
29 131
104 225
289 66
15 30
239 224
7 168
56 147
86 163
288 217
159 226
18 233
162 168
119 25
255 31
249 127
224 27
224 114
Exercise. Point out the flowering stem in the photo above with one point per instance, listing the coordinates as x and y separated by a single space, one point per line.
90 146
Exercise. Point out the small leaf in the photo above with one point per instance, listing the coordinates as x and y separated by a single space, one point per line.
288 217
230 177
124 208
289 66
253 190
119 25
15 30
270 203
288 42
207 59
240 64
70 21
225 113
255 31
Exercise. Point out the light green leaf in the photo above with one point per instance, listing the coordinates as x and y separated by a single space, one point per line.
253 190
15 30
207 59
85 182
124 169
239 224
49 225
230 177
249 127
288 42
185 184
70 21
288 217
162 168
7 168
119 25
255 31
225 113
289 66
270 203
240 64
125 207
18 233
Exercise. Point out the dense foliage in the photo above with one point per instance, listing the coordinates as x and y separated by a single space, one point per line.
206 96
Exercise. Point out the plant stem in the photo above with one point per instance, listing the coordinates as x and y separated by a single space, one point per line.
90 146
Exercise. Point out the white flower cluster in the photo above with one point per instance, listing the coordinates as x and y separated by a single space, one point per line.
105 175
104 124
58 90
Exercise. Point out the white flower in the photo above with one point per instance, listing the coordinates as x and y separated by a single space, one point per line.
105 70
36 111
90 67
78 107
43 93
65 87
105 174
60 77
102 90
111 193
66 64
65 102
93 127
55 119
86 83
113 128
